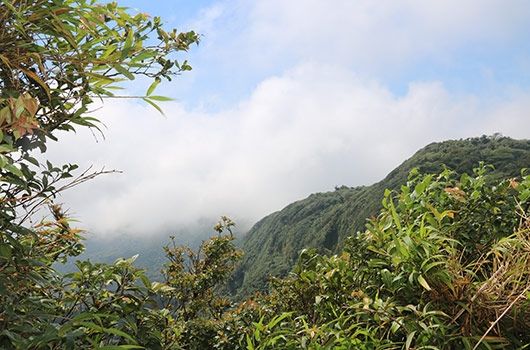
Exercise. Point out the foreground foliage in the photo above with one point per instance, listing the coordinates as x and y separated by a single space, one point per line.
445 265
56 58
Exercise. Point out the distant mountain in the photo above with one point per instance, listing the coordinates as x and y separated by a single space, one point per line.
148 247
324 220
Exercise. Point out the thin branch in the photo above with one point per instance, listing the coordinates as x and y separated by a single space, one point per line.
83 177
500 317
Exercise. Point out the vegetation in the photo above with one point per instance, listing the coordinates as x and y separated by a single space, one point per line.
148 248
56 57
445 264
325 220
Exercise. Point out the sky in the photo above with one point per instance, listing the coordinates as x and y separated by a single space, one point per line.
287 98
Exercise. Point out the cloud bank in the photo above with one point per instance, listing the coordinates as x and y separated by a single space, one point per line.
306 130
292 97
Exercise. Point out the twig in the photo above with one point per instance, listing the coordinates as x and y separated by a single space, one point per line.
83 177
501 316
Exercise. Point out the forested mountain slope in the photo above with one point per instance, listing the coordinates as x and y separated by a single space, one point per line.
324 220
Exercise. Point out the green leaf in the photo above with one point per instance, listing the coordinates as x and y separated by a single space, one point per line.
32 161
119 347
157 107
395 326
128 42
144 55
161 287
429 266
278 319
424 283
394 213
14 170
153 86
160 98
410 337
250 345
114 331
123 71
145 280
5 251
6 148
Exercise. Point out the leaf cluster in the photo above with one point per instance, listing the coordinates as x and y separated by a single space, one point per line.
56 58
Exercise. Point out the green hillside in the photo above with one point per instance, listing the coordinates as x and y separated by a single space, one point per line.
324 220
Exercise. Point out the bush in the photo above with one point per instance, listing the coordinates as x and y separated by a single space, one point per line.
444 265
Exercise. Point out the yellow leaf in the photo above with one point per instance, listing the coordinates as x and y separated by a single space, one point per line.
38 80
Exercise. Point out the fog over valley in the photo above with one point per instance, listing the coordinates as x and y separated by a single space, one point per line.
282 103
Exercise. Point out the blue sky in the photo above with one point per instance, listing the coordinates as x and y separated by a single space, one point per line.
468 63
175 13
288 98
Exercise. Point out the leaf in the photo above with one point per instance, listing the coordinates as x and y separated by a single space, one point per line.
410 337
32 160
14 170
420 187
31 104
395 326
119 347
250 346
100 79
144 55
429 266
161 287
153 86
145 280
278 319
5 115
6 148
5 60
128 42
38 80
114 331
108 52
38 59
5 251
157 107
160 98
3 161
123 71
89 315
394 213
424 283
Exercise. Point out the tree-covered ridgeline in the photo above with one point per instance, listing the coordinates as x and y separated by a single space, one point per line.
322 221
325 220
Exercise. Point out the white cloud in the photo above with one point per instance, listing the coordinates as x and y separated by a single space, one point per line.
306 130
474 45
321 111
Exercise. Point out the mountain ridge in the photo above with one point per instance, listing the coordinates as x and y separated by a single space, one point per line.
324 220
